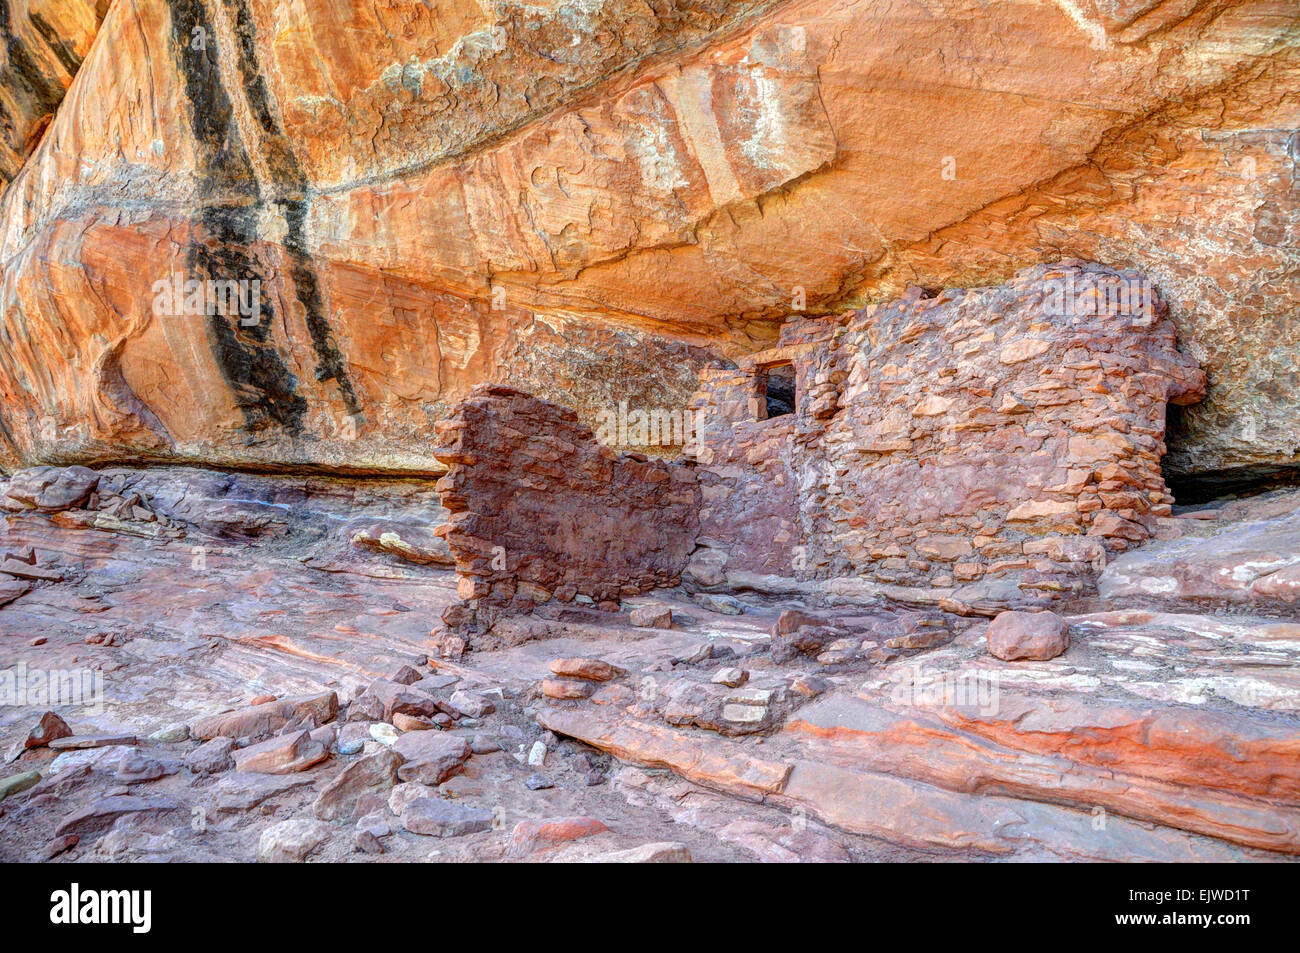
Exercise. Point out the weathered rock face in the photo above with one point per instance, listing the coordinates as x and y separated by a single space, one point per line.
1252 561
42 45
539 509
1010 431
589 200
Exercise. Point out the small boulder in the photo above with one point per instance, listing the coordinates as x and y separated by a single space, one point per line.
716 602
591 669
1037 636
291 841
438 817
431 757
18 782
48 728
534 835
283 754
731 677
471 704
651 617
212 757
400 797
375 773
567 688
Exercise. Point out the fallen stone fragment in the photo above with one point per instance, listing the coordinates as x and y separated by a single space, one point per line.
665 852
18 782
366 842
241 792
11 589
430 756
403 794
651 617
567 688
537 754
174 733
99 815
384 733
372 774
438 817
530 836
482 744
809 686
731 677
20 570
284 754
92 741
471 704
52 489
435 683
591 669
59 846
212 757
716 602
405 675
404 722
375 822
538 782
135 767
260 721
96 758
1038 636
353 736
49 727
291 841
394 697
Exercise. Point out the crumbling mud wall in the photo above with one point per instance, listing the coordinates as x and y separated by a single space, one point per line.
541 511
993 432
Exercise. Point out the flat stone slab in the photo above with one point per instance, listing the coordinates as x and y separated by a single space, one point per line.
73 742
100 814
438 817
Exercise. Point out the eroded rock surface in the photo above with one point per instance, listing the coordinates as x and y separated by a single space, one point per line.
592 201
797 730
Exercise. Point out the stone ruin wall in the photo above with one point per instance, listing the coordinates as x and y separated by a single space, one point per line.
749 501
1008 432
541 511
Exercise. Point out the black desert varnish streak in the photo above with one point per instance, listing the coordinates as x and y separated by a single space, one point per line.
265 389
24 81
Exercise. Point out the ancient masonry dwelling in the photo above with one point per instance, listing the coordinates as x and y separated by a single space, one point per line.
1010 435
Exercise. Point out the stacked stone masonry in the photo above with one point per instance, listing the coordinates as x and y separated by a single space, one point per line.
541 511
1007 432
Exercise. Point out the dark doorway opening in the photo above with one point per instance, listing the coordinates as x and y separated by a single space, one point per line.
779 390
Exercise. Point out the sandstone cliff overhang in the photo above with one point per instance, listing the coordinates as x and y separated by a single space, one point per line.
471 196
